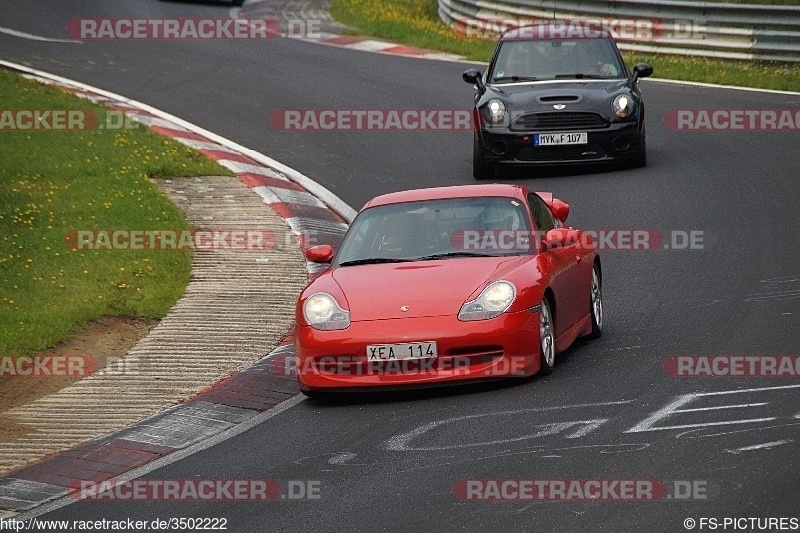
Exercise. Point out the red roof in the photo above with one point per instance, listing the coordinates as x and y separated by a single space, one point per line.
456 191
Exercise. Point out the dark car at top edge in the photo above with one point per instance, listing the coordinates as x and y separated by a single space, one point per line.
555 97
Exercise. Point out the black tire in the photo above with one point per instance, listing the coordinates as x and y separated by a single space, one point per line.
641 157
237 3
596 304
481 169
547 339
639 160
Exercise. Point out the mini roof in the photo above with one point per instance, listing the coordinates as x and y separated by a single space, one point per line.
567 30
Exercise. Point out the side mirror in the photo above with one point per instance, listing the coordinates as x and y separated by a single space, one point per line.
473 76
642 70
320 254
560 238
560 209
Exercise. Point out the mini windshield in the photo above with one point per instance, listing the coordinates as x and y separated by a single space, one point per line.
551 59
437 230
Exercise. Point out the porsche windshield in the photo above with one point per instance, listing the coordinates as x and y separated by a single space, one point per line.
551 59
437 229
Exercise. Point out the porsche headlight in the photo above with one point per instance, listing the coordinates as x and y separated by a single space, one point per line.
622 105
322 312
495 111
492 302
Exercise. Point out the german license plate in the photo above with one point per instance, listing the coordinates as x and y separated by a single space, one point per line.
409 350
557 139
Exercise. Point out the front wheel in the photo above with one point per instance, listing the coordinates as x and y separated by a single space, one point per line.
596 304
547 345
641 157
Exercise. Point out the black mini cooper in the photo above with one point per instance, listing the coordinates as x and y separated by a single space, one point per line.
552 96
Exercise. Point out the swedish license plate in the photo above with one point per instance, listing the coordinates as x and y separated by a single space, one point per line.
557 139
409 350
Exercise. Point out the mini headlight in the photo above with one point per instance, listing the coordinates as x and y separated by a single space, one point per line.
322 312
622 105
492 302
495 111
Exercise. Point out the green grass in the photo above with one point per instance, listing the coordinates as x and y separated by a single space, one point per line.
52 182
759 74
758 2
413 22
416 23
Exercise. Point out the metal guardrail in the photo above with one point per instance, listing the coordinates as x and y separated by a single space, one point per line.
731 31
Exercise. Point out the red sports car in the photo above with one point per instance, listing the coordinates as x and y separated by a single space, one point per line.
448 284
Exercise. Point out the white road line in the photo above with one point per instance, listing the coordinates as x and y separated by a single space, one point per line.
717 86
400 443
649 424
318 190
31 37
373 46
329 198
765 446
172 457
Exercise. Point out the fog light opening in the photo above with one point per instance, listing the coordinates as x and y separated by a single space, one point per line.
498 147
621 144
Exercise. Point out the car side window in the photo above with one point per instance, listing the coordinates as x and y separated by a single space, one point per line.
544 219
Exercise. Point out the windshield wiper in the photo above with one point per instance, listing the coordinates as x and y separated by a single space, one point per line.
378 260
580 75
453 254
374 261
514 78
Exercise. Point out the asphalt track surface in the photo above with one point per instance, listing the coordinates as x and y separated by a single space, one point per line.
390 462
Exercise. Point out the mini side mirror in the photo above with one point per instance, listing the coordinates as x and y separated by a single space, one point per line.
473 76
642 70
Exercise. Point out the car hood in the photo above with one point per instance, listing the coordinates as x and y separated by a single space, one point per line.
428 288
574 95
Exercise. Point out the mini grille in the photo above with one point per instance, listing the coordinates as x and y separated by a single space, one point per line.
570 120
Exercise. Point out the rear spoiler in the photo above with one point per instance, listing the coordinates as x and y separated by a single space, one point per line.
560 208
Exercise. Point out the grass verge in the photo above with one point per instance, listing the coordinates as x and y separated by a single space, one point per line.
52 182
417 23
412 22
